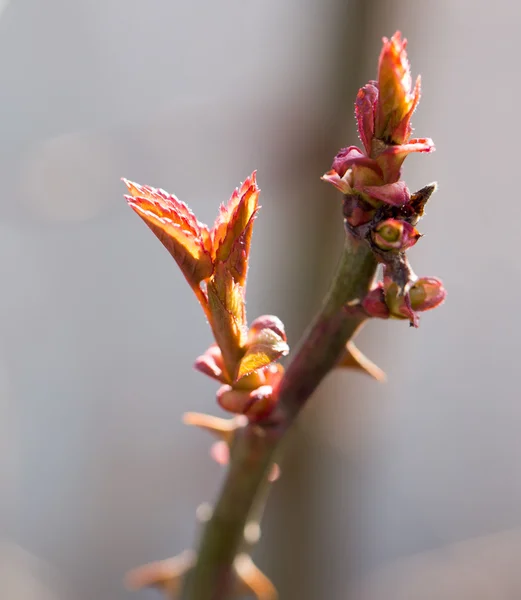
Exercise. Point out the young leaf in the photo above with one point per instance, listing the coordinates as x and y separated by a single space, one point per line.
266 348
232 231
177 229
398 99
228 315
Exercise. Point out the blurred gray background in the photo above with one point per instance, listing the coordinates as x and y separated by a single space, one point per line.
409 490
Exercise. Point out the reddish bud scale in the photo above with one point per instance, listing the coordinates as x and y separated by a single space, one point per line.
211 363
256 404
266 322
365 112
374 303
357 211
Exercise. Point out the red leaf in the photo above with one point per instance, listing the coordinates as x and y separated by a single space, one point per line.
176 227
365 111
227 316
397 99
233 229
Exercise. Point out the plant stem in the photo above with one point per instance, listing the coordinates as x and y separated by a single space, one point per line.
255 445
324 342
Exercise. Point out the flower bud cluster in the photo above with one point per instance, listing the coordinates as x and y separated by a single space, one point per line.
378 206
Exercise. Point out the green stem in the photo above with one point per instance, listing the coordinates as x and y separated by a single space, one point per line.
251 458
324 342
255 445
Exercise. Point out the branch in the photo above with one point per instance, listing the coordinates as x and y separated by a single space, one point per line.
255 445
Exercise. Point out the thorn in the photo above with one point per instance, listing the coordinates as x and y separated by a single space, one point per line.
252 533
168 575
220 452
224 430
165 575
221 428
251 580
204 512
275 473
419 200
355 359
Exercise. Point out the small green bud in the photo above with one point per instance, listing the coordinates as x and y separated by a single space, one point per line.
393 234
427 293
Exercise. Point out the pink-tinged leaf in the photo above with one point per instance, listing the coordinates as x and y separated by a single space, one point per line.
374 303
395 194
347 157
166 202
235 401
247 194
233 230
227 316
403 130
416 145
262 349
255 404
361 176
211 363
365 112
236 259
392 157
206 239
339 182
176 227
397 100
266 322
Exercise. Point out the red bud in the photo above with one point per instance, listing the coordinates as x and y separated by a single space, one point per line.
393 234
374 303
427 293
